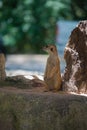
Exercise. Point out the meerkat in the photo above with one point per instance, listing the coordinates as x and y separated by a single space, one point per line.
52 75
2 67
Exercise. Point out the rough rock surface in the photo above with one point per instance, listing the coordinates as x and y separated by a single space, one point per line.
25 110
75 74
19 81
25 106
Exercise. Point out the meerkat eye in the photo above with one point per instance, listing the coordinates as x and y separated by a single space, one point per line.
51 49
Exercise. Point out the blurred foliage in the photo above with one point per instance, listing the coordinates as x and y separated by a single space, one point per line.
27 25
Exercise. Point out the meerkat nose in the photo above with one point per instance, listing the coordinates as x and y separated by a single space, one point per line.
44 48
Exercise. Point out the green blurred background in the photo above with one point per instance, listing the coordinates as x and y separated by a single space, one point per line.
27 25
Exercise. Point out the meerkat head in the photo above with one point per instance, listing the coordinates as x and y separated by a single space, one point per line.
51 49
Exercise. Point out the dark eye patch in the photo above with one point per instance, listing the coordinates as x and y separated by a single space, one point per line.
51 49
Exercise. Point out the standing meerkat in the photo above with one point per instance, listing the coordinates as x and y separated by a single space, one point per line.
2 67
52 76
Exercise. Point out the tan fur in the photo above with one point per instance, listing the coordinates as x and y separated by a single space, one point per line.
52 76
2 67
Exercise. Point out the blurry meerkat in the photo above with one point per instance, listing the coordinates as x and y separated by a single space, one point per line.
2 67
52 75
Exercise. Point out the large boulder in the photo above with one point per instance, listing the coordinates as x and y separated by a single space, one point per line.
26 110
75 74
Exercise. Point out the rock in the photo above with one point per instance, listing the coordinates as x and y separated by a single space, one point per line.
42 111
19 81
75 74
2 67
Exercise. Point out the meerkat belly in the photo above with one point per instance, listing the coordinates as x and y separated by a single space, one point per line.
54 83
50 83
49 68
57 81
